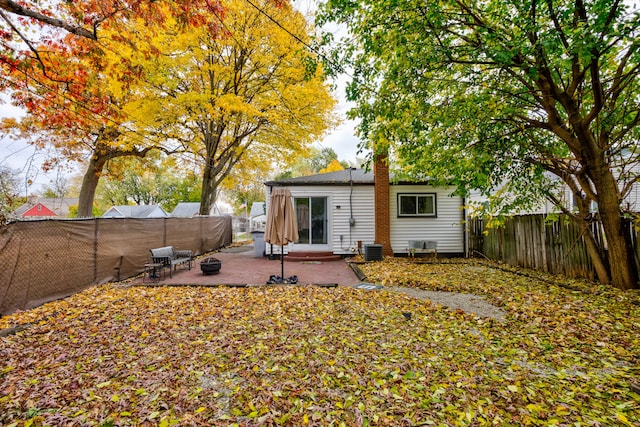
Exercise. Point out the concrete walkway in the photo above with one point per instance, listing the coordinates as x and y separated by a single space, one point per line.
241 267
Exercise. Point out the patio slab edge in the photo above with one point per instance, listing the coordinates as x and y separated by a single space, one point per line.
234 285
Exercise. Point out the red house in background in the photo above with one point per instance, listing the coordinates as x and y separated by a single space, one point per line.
37 208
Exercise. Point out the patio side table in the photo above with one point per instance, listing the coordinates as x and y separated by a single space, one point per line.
152 272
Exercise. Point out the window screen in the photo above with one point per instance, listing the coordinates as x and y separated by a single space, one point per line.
421 204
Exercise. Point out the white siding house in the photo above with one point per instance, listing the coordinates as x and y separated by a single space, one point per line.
335 212
630 203
257 217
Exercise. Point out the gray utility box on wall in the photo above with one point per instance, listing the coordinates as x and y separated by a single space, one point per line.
373 252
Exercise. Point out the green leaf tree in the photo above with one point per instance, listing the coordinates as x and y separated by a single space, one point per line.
9 192
142 181
505 95
245 185
313 161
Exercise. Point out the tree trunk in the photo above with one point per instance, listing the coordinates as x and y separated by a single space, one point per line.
623 271
624 274
596 255
89 185
209 189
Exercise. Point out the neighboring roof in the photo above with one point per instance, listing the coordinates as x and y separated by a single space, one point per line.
257 209
191 209
135 211
59 206
343 177
39 210
186 209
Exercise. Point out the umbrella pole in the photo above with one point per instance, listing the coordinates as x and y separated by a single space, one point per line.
282 248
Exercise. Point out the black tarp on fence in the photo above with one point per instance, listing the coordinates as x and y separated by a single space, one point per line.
45 260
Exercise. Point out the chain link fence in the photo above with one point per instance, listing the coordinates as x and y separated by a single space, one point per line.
46 260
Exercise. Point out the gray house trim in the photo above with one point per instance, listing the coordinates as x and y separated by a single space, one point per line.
343 177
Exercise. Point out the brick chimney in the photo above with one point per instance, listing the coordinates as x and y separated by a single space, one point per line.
381 204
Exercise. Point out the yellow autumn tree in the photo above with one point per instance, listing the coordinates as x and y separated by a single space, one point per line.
254 90
74 89
333 166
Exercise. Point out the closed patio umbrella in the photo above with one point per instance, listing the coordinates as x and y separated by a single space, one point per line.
281 228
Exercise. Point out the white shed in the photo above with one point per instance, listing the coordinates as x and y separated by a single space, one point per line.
257 216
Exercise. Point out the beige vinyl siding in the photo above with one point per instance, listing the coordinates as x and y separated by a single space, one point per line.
446 228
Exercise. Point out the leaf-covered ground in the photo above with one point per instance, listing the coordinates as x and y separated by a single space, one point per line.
298 356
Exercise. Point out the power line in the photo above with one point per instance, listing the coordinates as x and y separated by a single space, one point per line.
311 48
106 119
308 46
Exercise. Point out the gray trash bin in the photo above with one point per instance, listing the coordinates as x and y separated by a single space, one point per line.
258 243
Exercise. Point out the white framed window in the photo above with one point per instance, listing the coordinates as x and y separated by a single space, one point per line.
416 204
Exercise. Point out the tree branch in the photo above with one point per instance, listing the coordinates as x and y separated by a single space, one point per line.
15 8
556 24
31 48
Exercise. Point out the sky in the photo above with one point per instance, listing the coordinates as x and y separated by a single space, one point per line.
342 139
24 158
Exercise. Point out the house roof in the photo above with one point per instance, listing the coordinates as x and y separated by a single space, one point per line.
191 209
39 210
342 177
135 211
60 206
186 209
257 209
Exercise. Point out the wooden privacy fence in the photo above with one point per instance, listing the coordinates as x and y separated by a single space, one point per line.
534 241
46 260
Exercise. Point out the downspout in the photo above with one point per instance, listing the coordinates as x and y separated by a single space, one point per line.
465 234
352 220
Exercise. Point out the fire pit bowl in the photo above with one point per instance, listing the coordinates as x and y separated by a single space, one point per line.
210 265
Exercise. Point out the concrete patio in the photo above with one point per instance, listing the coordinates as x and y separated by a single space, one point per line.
241 267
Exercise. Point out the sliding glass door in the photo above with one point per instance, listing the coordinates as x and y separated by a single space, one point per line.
311 214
